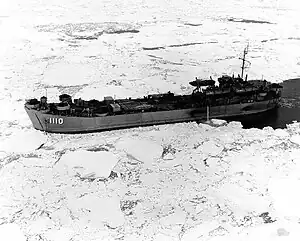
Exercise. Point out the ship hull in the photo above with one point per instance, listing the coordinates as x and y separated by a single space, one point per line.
72 124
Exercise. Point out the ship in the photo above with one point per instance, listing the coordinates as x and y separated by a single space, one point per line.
233 96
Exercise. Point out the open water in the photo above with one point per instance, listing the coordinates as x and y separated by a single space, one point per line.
288 111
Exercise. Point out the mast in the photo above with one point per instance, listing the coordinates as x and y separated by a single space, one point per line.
244 60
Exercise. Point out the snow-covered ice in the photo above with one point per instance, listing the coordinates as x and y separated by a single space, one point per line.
69 74
283 192
187 181
89 164
11 232
22 141
141 150
140 184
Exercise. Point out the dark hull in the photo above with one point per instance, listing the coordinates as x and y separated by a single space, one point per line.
71 124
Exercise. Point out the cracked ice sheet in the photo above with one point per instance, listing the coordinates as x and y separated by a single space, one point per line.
281 230
19 53
68 74
180 197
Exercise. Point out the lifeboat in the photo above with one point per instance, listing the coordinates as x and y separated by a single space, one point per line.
202 82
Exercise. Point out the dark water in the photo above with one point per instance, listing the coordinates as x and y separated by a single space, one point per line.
288 111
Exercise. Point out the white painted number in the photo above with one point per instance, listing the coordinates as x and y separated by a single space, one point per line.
59 121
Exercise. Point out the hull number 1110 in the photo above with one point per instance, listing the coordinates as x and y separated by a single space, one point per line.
58 121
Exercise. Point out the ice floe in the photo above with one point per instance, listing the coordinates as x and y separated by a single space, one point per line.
23 141
145 151
184 181
283 192
295 139
11 232
89 165
68 74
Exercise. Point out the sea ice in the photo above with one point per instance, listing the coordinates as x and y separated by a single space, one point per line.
235 125
241 200
200 232
89 164
39 225
281 133
23 141
176 218
218 122
68 74
2 154
210 148
295 156
61 234
277 231
202 184
143 150
168 156
226 161
105 210
11 232
285 197
295 139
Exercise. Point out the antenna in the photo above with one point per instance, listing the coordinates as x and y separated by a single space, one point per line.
244 60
